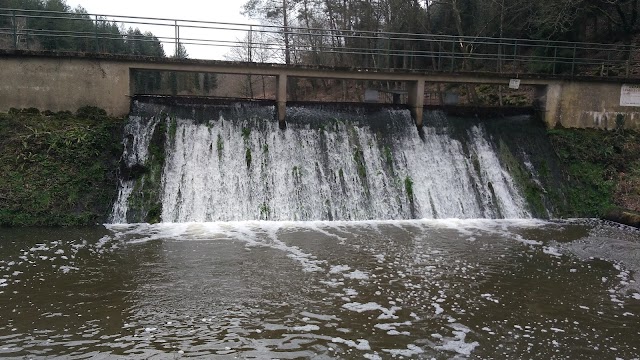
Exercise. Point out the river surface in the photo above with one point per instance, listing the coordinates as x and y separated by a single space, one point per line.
443 289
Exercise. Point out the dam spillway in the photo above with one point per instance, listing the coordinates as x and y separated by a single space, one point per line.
232 162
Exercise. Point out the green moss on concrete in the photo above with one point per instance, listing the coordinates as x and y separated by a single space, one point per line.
358 157
247 157
408 187
533 193
58 169
145 202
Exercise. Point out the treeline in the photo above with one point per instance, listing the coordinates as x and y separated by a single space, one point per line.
80 32
357 25
569 20
40 31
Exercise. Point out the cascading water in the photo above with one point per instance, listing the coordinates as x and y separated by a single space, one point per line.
232 162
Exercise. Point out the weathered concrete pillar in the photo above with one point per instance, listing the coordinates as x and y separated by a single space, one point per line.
281 99
551 101
416 101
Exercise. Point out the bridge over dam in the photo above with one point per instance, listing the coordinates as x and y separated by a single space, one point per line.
59 81
576 84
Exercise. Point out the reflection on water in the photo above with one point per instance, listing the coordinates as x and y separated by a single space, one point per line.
421 289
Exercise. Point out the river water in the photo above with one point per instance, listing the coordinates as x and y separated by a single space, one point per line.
485 289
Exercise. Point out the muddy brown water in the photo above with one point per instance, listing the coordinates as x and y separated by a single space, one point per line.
443 289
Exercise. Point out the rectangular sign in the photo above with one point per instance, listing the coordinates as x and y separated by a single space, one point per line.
630 95
514 84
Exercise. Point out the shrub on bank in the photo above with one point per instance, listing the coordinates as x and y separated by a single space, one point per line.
58 168
602 169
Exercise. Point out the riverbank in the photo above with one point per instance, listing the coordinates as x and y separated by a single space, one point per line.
602 172
58 169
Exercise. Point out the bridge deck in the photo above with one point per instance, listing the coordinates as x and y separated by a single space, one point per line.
317 71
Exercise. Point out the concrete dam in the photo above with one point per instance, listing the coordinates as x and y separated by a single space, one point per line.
232 162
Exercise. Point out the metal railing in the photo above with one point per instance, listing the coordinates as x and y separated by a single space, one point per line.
96 33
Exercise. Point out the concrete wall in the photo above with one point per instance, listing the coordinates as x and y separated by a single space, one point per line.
64 84
588 105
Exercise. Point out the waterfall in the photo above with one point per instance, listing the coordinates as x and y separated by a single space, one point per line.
233 162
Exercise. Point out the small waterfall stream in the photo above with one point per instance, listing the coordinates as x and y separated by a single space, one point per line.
202 163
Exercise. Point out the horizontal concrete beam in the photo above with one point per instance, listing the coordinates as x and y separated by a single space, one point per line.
268 70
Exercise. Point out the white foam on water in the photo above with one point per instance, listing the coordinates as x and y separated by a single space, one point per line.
357 275
622 251
374 356
359 344
392 326
306 328
458 344
66 269
410 351
359 307
438 309
550 250
319 316
339 268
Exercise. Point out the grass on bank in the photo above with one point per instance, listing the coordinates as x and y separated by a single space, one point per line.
58 169
602 169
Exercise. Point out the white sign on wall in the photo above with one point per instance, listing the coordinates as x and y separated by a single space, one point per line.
514 84
630 95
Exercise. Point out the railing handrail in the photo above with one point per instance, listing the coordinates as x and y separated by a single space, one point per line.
171 22
364 48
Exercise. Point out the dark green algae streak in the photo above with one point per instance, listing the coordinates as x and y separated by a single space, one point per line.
61 169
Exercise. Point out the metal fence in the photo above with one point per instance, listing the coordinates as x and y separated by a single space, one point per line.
45 30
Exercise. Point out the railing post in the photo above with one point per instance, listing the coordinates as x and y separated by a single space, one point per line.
499 62
515 55
388 51
573 59
607 65
15 30
439 56
96 34
555 57
177 37
249 44
629 60
453 53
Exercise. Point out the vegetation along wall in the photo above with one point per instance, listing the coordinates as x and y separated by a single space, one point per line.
58 168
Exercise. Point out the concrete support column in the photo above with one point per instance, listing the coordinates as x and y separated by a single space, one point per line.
416 101
281 99
552 101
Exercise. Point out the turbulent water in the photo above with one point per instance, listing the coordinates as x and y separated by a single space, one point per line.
227 163
420 289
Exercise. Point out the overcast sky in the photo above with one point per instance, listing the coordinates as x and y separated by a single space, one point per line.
205 10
